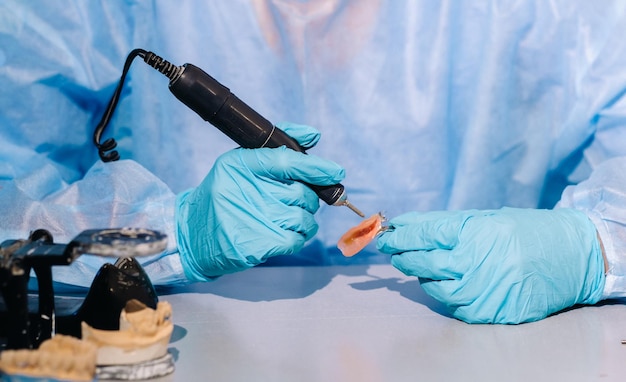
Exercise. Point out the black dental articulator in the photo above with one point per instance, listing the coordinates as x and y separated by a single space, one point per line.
23 326
216 104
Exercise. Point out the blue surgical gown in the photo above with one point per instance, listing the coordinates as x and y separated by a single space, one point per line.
429 105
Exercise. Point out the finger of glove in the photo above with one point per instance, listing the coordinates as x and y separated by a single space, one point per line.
233 179
422 232
286 165
286 229
295 194
434 265
414 217
242 251
307 136
289 207
285 234
297 220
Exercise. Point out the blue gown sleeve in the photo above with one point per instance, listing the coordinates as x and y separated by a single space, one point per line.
603 198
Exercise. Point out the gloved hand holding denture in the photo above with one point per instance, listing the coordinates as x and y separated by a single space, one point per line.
252 205
500 266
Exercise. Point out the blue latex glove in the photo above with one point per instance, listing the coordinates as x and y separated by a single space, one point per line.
500 266
251 206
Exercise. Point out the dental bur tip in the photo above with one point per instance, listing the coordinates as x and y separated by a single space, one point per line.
353 208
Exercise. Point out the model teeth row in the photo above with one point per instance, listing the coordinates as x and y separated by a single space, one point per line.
62 357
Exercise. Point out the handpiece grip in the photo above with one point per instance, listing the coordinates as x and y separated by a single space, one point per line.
216 104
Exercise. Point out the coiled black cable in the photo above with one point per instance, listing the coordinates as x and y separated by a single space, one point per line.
170 70
106 149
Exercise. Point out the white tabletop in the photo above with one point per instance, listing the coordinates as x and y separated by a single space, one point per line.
372 323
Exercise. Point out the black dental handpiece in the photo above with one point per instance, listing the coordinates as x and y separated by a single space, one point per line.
216 104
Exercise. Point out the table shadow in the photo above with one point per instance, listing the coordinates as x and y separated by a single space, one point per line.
409 289
269 283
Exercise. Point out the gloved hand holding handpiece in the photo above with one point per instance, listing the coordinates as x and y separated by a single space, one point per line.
257 201
500 266
252 205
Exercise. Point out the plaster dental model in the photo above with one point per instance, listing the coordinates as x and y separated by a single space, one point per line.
61 357
138 349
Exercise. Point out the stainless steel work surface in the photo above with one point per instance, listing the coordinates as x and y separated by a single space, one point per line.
371 323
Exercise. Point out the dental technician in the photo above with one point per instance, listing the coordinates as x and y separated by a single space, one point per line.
492 134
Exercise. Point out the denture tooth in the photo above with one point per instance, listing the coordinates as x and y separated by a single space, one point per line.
21 358
33 358
48 360
84 362
8 357
44 360
64 361
72 365
54 360
88 364
79 364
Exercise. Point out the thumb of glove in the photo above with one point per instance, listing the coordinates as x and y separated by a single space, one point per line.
306 136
